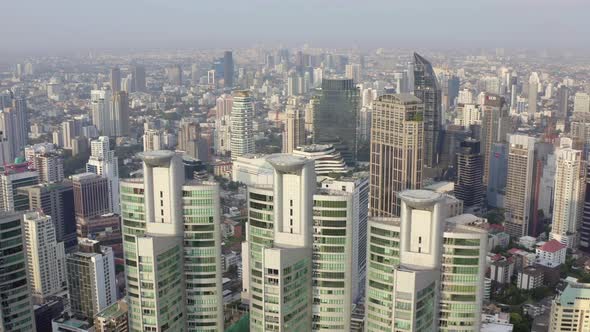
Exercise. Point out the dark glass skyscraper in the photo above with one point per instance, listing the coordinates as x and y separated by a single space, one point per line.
468 185
335 116
228 69
585 225
426 88
139 78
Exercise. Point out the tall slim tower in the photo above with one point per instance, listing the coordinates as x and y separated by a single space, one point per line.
57 201
242 131
46 262
171 227
519 184
120 121
397 141
568 199
103 162
294 135
116 79
228 69
139 78
278 281
494 128
426 89
91 279
101 104
17 310
425 270
533 94
335 116
469 166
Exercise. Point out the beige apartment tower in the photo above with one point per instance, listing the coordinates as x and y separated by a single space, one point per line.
397 141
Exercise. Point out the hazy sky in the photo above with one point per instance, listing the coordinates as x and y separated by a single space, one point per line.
37 25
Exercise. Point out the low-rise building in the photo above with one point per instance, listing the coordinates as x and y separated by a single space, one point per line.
529 278
551 254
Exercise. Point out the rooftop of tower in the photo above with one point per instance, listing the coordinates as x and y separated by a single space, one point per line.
287 162
157 158
420 196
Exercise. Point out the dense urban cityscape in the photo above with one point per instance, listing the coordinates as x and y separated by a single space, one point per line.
295 188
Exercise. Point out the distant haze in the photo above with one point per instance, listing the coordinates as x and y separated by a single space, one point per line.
66 25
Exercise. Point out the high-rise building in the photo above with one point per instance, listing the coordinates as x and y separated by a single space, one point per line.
568 199
102 104
519 184
228 69
113 318
152 140
116 79
69 131
195 74
50 166
427 90
571 308
425 270
12 177
190 140
139 78
294 135
397 149
46 260
223 106
335 116
172 228
91 195
14 126
563 94
278 251
494 128
534 82
585 223
57 201
174 74
469 167
103 162
242 131
581 102
91 279
17 309
353 72
120 121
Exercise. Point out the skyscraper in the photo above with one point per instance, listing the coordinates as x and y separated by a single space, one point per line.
115 79
91 195
570 309
190 141
397 147
519 184
91 279
563 93
12 177
581 102
494 128
585 223
294 135
469 167
425 270
426 89
353 72
172 228
152 140
242 131
14 126
228 70
49 165
101 104
174 74
120 120
534 82
139 78
278 251
568 199
335 116
103 162
17 310
223 106
46 262
57 201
